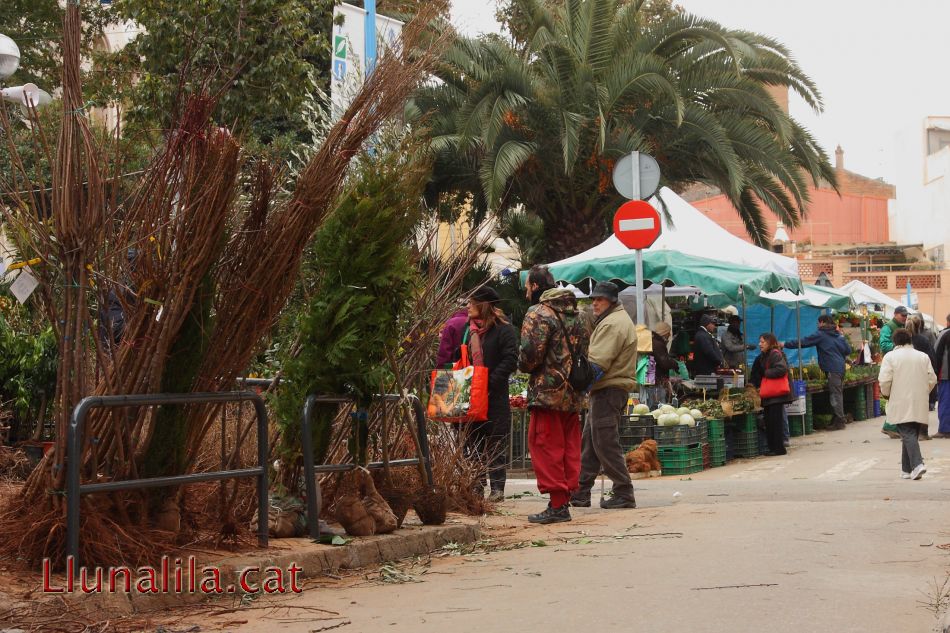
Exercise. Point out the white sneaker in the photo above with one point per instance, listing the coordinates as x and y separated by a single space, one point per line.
918 472
905 475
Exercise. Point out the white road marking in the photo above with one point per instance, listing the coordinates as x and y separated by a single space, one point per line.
762 470
848 469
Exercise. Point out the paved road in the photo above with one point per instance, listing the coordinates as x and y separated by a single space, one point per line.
826 539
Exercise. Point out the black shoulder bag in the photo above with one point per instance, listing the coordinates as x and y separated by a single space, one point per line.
581 375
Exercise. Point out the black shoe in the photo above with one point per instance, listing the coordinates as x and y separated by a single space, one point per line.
496 496
552 515
580 502
617 503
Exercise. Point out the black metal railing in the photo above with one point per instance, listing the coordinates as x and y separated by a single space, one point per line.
74 489
311 470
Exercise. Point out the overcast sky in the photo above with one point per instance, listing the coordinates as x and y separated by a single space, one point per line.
881 65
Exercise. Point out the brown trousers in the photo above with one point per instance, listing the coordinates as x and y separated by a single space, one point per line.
600 444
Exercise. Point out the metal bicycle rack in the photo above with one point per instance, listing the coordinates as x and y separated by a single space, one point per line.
74 457
311 470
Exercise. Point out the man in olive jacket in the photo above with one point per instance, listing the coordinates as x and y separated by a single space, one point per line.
613 357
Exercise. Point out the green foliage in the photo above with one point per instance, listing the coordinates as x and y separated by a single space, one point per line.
514 19
37 28
359 277
541 121
28 362
34 146
259 54
167 449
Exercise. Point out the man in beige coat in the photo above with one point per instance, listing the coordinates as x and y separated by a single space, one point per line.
906 378
613 357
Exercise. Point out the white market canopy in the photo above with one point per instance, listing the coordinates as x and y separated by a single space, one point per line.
692 233
863 294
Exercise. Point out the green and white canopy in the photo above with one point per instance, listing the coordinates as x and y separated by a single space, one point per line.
721 282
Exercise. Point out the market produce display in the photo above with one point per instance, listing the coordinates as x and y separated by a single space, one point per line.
667 415
710 409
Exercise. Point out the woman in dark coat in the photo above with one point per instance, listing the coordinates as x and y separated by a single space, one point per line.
772 364
922 343
493 342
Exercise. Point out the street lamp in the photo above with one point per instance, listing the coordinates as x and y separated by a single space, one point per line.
9 57
26 95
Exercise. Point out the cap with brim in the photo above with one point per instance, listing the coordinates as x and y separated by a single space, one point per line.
900 310
706 319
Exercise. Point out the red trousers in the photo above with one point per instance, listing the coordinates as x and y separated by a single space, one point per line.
554 439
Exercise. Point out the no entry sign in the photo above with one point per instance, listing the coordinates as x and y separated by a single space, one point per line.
637 224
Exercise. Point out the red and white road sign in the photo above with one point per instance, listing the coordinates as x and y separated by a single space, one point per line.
637 224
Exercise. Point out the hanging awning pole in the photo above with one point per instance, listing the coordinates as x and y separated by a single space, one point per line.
745 335
772 319
798 335
663 303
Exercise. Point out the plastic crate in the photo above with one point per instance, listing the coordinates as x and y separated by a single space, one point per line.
634 429
746 444
717 453
681 460
796 425
680 434
715 428
707 456
745 422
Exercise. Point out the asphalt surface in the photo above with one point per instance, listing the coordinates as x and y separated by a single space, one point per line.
827 538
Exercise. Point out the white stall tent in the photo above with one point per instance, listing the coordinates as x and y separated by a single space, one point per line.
863 294
689 231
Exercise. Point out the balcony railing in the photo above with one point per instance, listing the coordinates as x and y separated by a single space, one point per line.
864 267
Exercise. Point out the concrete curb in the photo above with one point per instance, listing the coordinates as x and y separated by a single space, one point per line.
312 558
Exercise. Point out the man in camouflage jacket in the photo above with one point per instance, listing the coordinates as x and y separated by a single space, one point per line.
550 330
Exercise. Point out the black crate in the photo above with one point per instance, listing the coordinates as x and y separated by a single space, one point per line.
680 434
634 429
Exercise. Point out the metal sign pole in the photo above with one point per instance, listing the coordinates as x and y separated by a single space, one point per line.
640 319
635 174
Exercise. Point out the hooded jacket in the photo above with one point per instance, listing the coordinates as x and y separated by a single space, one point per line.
886 333
545 354
451 338
734 348
832 348
613 348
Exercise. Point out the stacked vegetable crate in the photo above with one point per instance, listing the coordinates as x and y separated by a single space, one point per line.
747 435
680 434
634 429
855 401
681 460
717 442
809 415
796 425
680 447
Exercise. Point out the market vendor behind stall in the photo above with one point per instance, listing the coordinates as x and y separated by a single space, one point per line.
707 357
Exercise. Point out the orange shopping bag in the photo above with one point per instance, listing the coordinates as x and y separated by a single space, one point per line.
459 394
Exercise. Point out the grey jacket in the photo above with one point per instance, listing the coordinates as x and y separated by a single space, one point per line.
734 349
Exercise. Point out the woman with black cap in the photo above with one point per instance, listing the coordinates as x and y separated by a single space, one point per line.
493 342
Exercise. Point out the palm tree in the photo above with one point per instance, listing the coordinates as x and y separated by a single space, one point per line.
541 123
